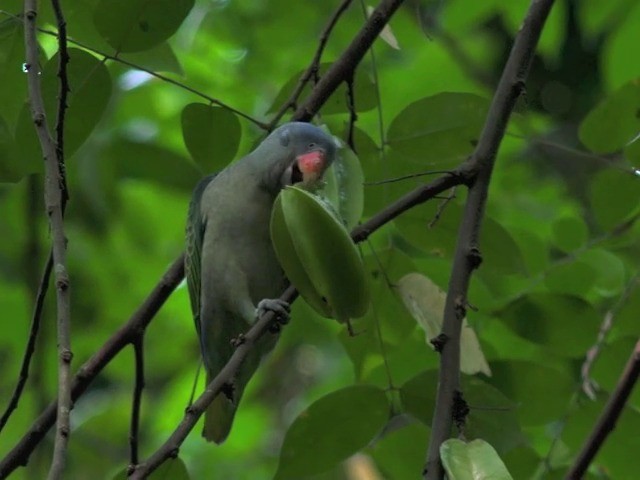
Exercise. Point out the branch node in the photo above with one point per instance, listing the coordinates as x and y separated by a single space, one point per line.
66 356
460 410
439 342
460 307
475 257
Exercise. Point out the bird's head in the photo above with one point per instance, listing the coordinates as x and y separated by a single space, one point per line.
304 153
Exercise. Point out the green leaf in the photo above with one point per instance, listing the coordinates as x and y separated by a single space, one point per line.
540 392
615 196
337 102
13 80
90 91
148 161
331 430
609 271
476 460
11 169
400 453
569 233
564 324
134 25
614 122
425 301
574 278
439 130
495 419
211 134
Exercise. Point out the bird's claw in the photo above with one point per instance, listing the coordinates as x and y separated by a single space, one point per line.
280 308
239 340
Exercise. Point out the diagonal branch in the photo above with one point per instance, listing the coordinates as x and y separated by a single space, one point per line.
31 343
607 421
467 256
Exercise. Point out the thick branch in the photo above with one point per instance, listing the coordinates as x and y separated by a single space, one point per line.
467 255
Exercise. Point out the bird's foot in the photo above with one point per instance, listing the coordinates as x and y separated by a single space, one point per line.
280 308
239 340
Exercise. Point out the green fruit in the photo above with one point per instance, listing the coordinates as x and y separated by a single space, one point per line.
318 255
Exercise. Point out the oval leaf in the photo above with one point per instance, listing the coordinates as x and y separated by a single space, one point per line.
90 91
425 301
134 25
440 129
211 134
476 460
614 122
331 430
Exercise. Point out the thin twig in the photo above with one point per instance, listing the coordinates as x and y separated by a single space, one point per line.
138 349
467 256
31 343
406 177
588 385
441 206
607 421
312 69
353 116
53 201
63 92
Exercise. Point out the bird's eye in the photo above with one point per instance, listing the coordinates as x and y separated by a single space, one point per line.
311 145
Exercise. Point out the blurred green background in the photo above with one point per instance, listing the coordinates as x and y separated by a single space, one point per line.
560 239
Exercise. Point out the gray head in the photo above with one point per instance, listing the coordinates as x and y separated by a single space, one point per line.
295 153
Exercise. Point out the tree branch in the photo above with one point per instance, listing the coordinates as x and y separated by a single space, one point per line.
31 343
312 69
138 349
125 335
345 66
54 201
607 421
467 256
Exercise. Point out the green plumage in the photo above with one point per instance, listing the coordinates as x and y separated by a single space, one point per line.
230 263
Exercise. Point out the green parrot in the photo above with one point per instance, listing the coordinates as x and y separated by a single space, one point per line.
232 272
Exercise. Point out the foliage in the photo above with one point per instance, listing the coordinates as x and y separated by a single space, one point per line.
560 238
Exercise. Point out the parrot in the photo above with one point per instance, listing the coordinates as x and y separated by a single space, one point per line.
233 275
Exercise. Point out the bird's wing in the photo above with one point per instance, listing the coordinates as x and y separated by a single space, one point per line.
192 261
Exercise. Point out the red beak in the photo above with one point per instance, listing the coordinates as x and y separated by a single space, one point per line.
312 165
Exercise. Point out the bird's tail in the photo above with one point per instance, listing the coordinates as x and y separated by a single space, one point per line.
218 419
